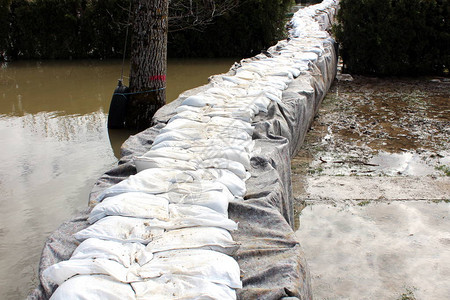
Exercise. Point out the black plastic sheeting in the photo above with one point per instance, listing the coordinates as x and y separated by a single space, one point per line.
271 260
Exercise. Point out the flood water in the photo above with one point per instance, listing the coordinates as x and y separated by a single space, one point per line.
54 144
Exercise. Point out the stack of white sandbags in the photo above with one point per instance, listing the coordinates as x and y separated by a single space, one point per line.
164 233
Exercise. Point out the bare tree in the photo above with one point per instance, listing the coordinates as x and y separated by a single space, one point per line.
191 14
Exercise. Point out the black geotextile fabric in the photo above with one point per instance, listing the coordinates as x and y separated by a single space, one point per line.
271 260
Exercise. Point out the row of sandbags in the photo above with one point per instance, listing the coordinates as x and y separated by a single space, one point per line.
164 233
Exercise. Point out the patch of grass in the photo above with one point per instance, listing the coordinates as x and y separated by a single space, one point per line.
441 200
408 295
315 171
364 203
444 168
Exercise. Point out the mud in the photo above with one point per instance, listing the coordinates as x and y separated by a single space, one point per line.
372 126
372 190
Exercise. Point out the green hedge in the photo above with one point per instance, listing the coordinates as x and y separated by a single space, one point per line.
394 37
95 28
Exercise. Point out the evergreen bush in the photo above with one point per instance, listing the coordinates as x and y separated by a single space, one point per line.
394 37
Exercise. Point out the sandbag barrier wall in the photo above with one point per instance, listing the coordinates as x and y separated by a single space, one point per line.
270 259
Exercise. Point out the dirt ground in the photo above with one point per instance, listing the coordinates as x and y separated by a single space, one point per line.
372 189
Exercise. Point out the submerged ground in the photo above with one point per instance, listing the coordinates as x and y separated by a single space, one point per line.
374 175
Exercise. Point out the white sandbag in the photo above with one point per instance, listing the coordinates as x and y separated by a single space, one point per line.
220 122
183 216
171 152
306 56
210 265
60 272
251 68
194 155
232 152
235 80
294 71
234 183
175 136
209 130
122 229
93 287
273 82
202 133
236 113
198 101
144 163
126 229
209 238
198 187
236 152
190 115
220 91
272 97
229 153
281 72
133 204
240 114
248 145
279 80
150 181
228 122
246 105
123 253
222 163
178 287
215 200
262 103
247 74
270 91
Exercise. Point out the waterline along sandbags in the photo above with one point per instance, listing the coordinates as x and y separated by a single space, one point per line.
200 205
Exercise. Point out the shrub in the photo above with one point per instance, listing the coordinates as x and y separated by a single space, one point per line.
394 37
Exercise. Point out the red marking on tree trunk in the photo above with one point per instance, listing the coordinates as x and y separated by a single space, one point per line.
158 78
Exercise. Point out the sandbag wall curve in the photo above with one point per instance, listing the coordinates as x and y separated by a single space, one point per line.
213 193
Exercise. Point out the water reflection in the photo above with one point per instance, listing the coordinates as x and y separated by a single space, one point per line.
54 145
117 137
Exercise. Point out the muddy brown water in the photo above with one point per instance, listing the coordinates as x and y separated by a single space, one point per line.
54 145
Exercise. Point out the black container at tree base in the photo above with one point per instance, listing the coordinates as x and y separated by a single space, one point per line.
118 107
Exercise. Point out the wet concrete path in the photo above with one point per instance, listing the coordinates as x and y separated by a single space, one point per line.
374 175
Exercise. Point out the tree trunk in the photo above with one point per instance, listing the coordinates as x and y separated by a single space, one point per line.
148 62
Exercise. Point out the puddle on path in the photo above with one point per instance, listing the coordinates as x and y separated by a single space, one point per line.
378 251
